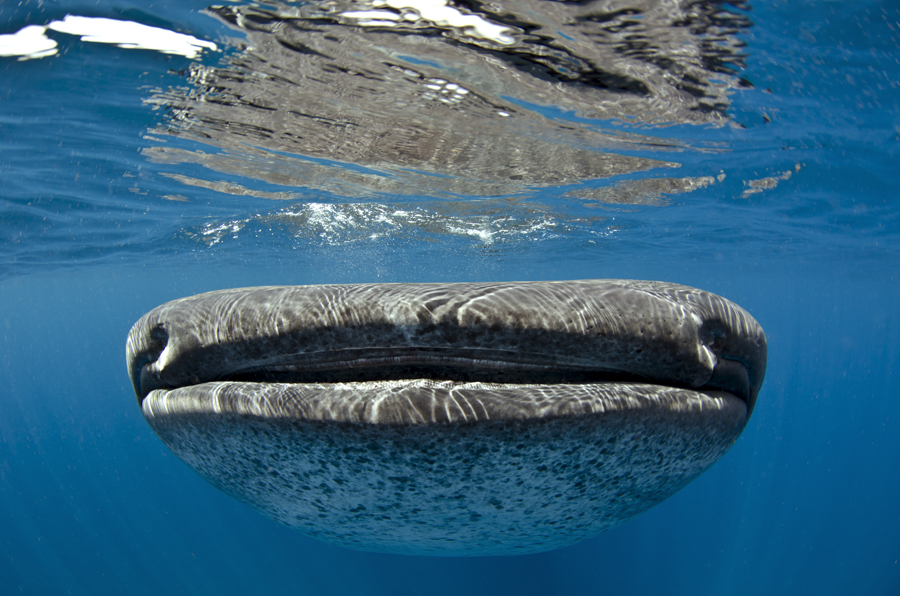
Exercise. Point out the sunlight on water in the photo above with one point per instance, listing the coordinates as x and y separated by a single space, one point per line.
31 42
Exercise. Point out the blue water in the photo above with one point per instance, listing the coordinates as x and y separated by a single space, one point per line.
95 231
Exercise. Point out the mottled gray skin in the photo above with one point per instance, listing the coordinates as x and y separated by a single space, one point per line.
450 419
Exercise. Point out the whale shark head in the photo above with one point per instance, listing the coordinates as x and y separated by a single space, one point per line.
450 419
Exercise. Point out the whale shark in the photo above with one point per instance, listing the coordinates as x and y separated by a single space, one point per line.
450 419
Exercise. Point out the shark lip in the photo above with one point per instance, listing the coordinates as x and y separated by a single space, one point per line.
539 333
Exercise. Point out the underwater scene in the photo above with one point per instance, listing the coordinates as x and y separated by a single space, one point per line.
707 184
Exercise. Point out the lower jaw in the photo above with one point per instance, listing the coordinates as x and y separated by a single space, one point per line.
444 468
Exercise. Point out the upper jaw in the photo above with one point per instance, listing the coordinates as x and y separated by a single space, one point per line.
196 340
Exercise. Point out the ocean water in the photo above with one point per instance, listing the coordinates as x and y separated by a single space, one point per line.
746 148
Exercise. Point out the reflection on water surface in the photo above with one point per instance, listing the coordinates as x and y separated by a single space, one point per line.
427 97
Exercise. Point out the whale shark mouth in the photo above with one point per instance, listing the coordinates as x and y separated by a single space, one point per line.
728 376
429 388
437 367
613 332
